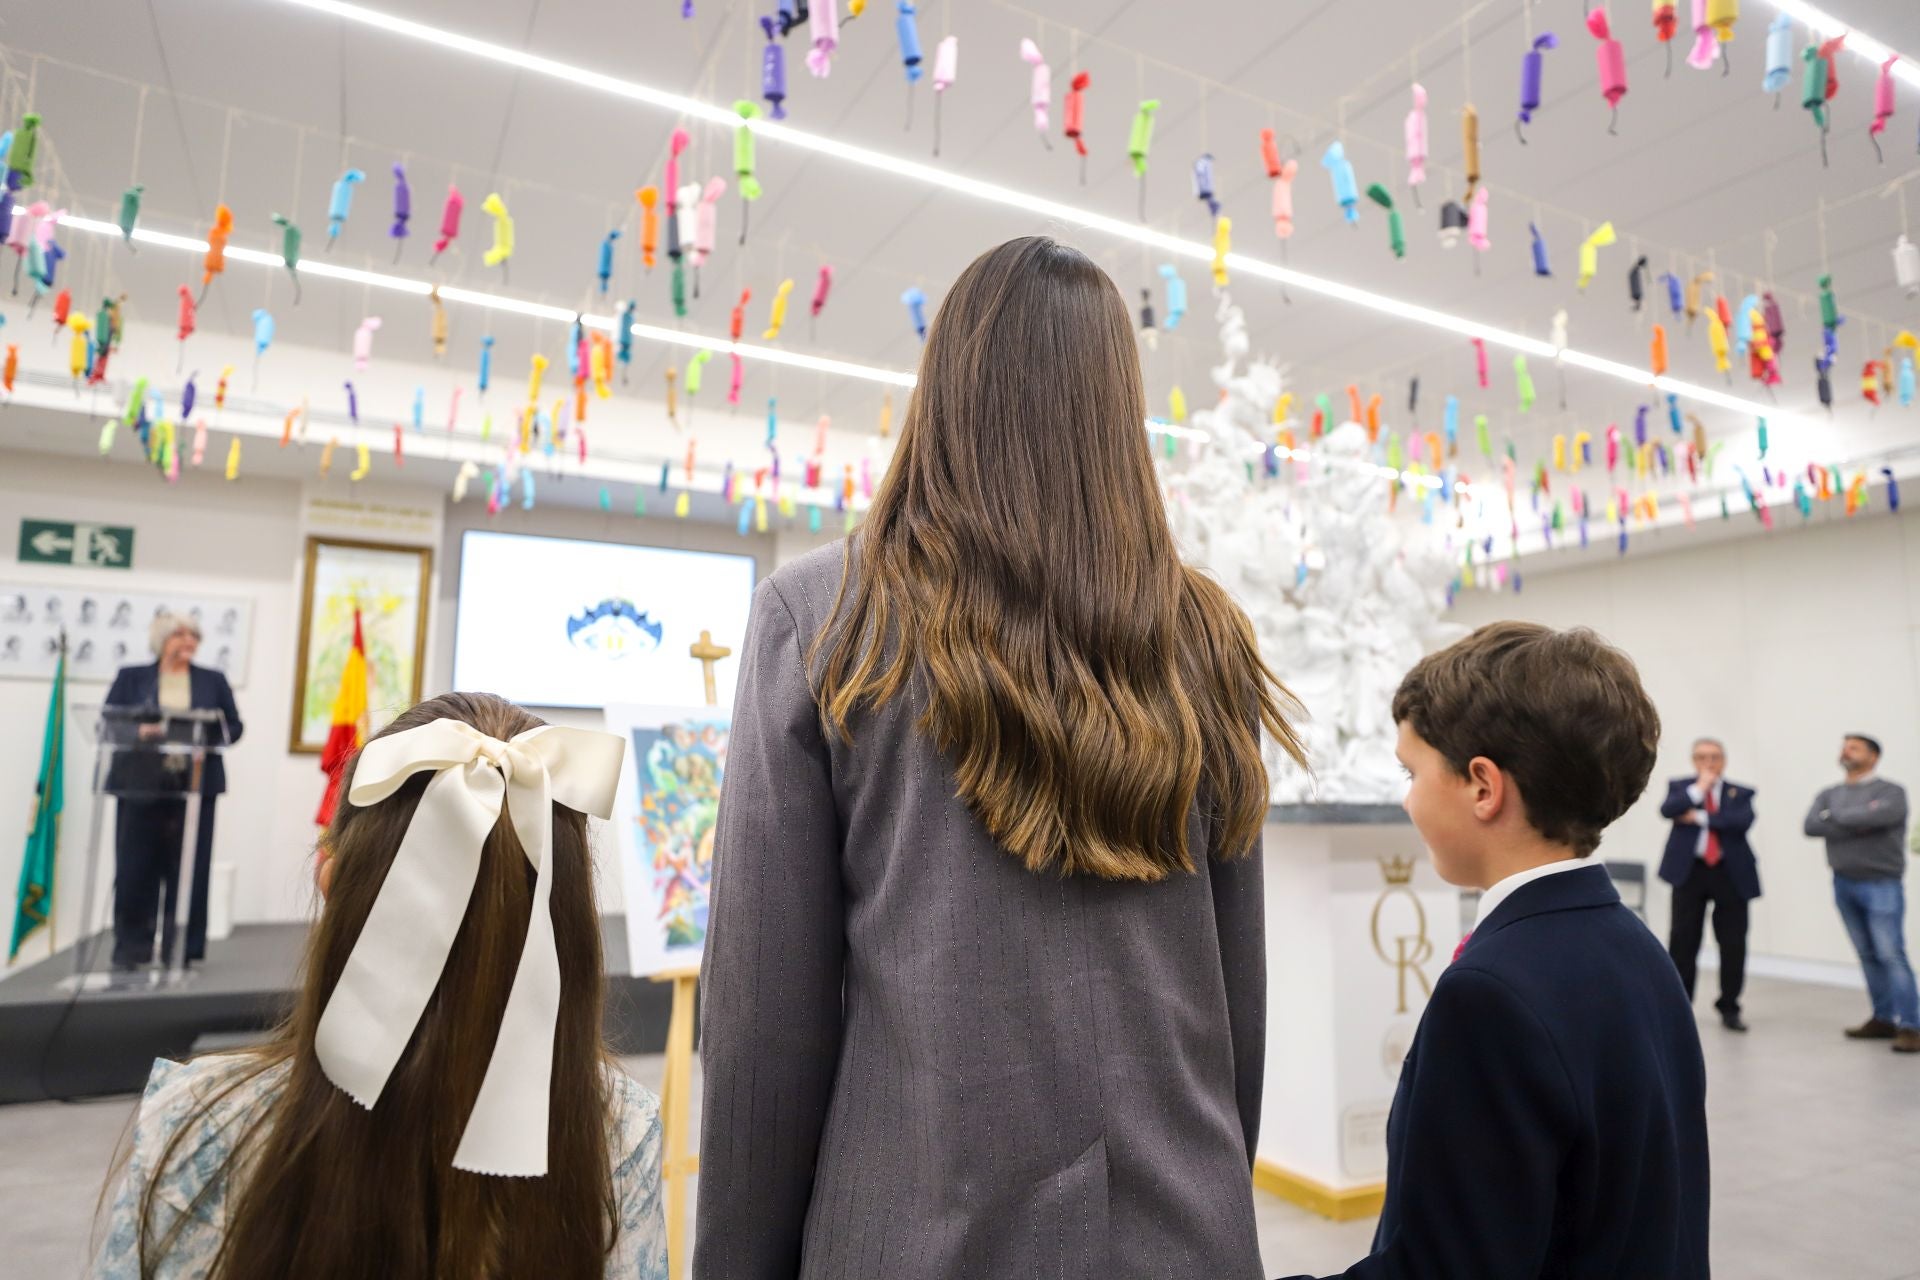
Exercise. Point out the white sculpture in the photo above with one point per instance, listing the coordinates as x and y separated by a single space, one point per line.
1344 594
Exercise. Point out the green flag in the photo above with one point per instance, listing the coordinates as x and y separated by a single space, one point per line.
35 907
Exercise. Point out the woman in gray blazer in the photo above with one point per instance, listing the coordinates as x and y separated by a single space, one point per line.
984 987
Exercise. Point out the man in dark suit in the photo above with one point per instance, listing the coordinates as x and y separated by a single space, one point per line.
1550 1118
150 821
1708 860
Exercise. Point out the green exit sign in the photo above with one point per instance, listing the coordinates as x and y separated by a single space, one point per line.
103 546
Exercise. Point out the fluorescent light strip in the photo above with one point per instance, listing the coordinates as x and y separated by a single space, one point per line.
1026 202
1858 41
500 302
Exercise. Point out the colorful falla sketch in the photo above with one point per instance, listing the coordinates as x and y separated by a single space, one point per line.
678 769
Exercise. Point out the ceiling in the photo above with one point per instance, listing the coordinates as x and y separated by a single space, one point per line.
1702 170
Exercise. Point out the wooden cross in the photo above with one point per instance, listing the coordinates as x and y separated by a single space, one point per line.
709 653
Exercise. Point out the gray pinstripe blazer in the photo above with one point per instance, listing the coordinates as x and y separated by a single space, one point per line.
922 1060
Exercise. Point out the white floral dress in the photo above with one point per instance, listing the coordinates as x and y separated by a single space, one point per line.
633 1133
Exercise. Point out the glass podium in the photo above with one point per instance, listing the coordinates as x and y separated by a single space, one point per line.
145 754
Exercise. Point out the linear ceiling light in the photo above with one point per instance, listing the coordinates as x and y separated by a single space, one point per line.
1026 202
501 302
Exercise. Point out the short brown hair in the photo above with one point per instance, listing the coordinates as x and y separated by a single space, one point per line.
1562 712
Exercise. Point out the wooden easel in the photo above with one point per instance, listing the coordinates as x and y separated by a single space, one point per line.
676 1088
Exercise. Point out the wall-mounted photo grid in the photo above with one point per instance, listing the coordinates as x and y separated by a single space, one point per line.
107 630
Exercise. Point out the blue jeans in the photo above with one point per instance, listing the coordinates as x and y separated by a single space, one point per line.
1875 914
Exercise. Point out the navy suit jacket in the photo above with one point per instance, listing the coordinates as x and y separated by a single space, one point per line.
140 687
1732 823
1551 1115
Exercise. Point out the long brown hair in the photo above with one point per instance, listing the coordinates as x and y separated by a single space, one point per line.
1086 684
327 1188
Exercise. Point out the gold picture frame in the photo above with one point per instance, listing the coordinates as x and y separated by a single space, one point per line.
392 583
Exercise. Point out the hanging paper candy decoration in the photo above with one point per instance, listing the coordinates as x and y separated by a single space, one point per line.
1477 222
1906 266
1523 382
1203 184
438 330
341 205
1717 340
1345 189
1074 123
1611 60
1450 420
363 342
130 212
1906 381
1882 105
23 152
946 69
779 314
1531 64
77 352
1453 221
1674 301
486 363
1176 308
743 162
262 338
1470 144
915 301
1740 326
449 222
1282 172
538 372
353 404
497 256
1706 41
773 77
604 271
216 260
1396 237
1480 361
1820 83
1693 295
402 209
1040 88
1140 144
1637 281
822 286
1416 138
1779 57
907 33
648 199
1658 360
1223 244
739 318
184 325
1870 382
1829 308
706 225
290 251
1540 265
1590 248
823 28
695 366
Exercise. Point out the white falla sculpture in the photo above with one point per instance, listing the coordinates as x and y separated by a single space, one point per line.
1344 595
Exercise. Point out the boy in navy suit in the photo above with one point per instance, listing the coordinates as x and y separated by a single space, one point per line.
1708 860
1551 1115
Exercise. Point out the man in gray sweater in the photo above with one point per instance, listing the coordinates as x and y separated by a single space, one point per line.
1864 822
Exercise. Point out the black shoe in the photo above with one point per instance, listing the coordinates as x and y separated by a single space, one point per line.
1873 1029
1731 1021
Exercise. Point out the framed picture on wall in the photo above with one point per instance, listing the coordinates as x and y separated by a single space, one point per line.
389 585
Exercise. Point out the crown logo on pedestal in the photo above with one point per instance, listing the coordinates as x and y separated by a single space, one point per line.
1397 870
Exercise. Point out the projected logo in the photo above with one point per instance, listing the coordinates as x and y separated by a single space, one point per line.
614 628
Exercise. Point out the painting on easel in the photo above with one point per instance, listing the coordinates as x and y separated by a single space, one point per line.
665 817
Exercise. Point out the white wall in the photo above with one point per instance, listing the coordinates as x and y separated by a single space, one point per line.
248 540
1777 644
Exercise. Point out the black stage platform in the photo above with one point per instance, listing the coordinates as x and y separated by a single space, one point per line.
108 1042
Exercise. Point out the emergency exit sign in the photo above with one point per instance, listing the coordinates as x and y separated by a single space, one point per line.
100 546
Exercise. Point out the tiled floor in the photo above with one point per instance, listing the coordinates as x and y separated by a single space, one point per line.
1816 1156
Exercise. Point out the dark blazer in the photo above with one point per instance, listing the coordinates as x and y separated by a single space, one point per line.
139 687
1732 822
923 1061
1551 1115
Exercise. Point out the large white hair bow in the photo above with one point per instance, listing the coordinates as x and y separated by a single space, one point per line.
402 948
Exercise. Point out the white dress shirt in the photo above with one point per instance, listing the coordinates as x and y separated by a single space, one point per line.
1699 798
1501 892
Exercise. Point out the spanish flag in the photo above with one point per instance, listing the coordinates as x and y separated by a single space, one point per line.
349 731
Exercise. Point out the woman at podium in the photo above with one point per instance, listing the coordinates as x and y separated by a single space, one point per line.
150 828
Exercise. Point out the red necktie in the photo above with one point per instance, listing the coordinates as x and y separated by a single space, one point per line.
1712 854
1462 944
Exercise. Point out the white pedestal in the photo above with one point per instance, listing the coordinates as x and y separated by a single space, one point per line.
1358 928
